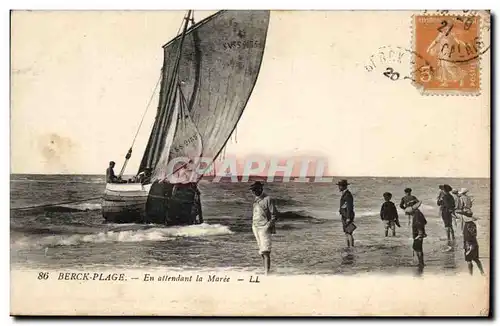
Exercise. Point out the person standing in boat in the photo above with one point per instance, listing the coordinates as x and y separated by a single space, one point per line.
407 198
145 176
264 218
110 173
346 211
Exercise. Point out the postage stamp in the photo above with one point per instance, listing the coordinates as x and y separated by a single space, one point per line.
449 48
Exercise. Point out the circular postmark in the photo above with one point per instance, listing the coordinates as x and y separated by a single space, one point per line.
460 37
398 64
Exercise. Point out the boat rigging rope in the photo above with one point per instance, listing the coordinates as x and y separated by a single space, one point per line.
54 204
129 153
145 111
159 79
150 100
188 17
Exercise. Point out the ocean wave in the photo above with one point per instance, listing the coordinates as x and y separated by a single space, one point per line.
225 200
124 225
80 207
151 234
294 215
58 181
322 215
84 206
285 201
376 212
367 213
280 202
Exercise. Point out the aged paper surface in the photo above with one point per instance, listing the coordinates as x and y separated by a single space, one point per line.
298 100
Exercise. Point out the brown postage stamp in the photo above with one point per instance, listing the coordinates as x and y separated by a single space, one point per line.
449 48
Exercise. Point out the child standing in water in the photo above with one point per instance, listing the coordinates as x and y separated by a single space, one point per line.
471 246
418 230
389 214
469 229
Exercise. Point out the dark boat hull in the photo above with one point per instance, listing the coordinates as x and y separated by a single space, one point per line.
136 203
125 203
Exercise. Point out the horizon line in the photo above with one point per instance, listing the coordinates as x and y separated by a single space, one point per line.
274 177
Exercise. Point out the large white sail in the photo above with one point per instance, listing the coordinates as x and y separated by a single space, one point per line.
216 62
183 147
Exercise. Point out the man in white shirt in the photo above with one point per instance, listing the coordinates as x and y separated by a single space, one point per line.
263 222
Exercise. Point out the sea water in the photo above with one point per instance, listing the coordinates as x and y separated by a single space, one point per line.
309 239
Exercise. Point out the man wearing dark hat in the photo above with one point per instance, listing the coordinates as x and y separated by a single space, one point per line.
110 173
264 218
407 198
347 212
447 204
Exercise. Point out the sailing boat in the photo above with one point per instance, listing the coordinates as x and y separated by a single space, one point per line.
208 74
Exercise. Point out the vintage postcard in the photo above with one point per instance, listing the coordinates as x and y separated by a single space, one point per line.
250 163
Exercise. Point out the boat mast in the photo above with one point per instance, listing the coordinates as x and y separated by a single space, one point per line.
170 90
187 19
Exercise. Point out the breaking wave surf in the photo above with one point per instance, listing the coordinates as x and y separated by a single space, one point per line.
80 207
141 235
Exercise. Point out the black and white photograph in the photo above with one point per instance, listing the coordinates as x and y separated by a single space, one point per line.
250 162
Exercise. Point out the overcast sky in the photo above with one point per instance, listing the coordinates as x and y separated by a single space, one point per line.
81 81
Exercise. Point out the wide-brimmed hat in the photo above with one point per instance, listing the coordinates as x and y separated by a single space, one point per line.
407 190
413 205
387 194
343 182
256 185
447 188
463 191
